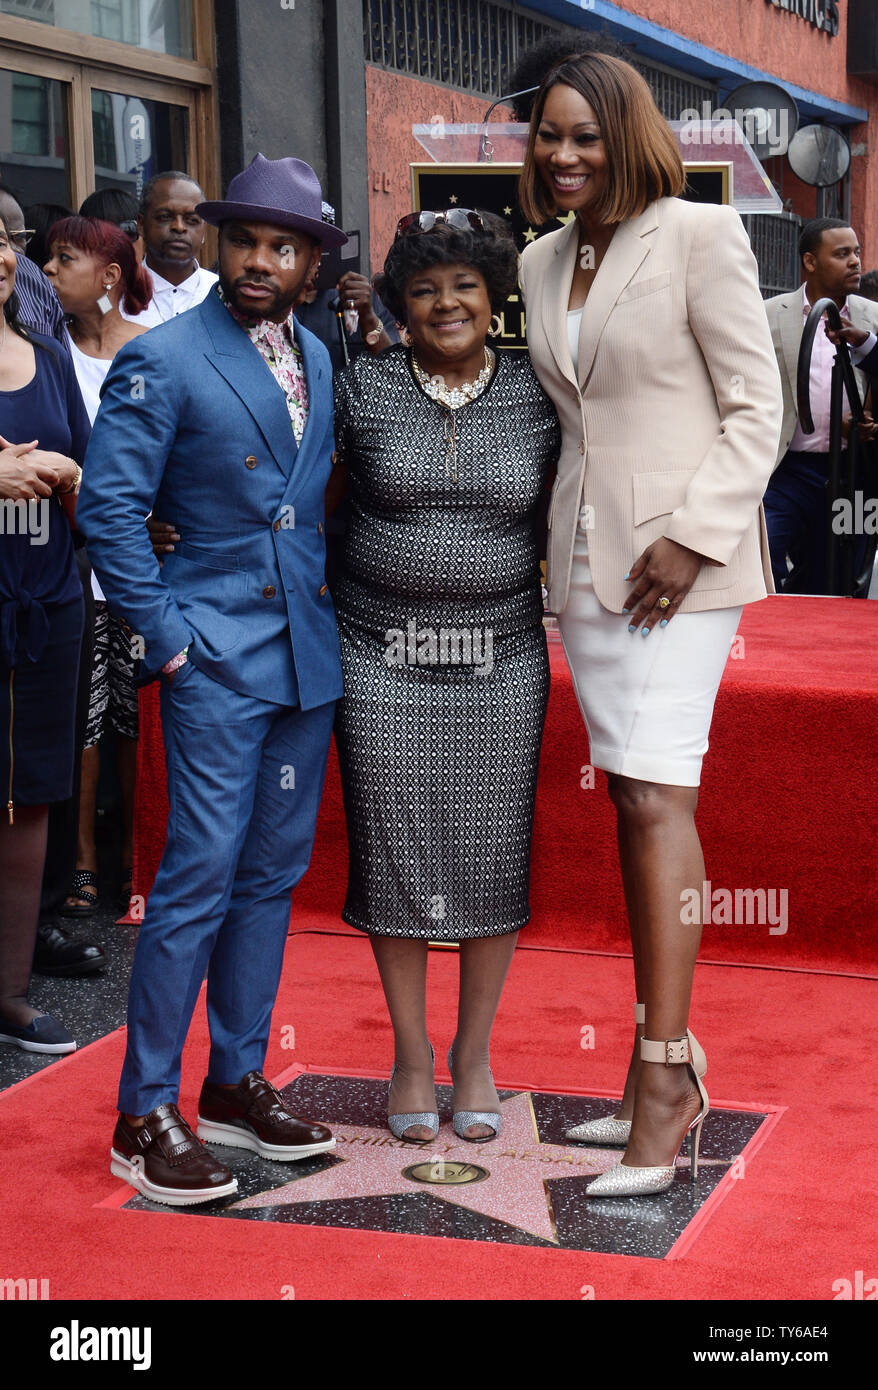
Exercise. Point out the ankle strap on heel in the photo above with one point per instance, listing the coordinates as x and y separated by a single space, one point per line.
668 1051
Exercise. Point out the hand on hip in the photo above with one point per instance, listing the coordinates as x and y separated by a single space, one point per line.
663 576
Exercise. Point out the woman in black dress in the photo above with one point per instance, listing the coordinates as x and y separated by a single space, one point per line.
448 444
44 431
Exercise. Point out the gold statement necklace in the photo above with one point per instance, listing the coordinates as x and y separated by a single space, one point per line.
452 398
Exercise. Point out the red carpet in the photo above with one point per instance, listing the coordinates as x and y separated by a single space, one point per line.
787 801
802 1216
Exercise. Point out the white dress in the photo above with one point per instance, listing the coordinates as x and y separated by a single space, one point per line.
648 701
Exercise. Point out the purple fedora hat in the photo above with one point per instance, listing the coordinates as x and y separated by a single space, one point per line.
284 192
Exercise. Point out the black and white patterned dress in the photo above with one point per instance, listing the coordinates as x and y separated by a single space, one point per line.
443 651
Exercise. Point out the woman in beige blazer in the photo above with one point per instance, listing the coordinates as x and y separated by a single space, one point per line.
647 329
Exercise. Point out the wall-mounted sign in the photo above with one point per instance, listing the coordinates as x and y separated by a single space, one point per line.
709 182
823 14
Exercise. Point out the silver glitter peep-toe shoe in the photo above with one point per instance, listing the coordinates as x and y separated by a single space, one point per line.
623 1181
607 1130
398 1124
463 1119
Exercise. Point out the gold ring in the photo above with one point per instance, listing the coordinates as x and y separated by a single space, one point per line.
664 603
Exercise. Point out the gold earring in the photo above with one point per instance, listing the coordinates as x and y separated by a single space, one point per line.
492 330
405 335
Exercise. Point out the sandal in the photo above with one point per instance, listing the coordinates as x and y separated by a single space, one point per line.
84 885
462 1120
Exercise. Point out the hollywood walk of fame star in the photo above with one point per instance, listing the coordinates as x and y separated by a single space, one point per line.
517 1161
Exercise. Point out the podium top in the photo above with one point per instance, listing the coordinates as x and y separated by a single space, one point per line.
700 142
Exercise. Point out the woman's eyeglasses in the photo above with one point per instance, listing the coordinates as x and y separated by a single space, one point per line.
463 219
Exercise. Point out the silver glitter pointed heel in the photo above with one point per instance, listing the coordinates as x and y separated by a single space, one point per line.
623 1181
461 1120
398 1124
606 1130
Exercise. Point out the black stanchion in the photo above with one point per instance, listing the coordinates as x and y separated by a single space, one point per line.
840 549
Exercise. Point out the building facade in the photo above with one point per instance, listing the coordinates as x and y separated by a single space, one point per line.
105 92
439 59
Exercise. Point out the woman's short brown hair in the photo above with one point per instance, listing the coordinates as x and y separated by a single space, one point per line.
643 162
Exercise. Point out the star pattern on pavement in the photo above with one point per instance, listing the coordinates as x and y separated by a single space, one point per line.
373 1164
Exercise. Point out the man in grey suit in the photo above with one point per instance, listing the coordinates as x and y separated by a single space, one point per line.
795 501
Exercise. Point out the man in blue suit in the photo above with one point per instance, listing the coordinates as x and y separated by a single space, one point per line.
222 419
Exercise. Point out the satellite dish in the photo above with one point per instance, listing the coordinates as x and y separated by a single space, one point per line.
819 155
767 115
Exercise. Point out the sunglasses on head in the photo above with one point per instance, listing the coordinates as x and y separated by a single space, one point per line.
464 219
129 228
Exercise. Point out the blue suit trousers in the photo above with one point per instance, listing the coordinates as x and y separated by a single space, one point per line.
245 777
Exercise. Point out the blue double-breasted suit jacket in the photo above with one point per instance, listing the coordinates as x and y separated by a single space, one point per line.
192 425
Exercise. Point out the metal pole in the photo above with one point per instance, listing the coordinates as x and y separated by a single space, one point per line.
338 309
849 542
832 487
843 381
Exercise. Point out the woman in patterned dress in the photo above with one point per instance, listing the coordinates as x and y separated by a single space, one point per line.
447 444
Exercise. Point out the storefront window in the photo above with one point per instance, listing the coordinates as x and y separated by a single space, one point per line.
165 26
33 137
135 138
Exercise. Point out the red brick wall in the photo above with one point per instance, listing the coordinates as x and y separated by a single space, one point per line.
756 33
394 103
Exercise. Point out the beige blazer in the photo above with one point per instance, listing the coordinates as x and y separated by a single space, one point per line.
786 319
670 418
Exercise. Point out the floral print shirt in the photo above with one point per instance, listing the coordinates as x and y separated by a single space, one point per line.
276 344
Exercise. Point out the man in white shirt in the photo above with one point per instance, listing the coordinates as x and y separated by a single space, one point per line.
173 234
795 502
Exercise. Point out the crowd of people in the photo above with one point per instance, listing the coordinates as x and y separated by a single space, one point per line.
186 437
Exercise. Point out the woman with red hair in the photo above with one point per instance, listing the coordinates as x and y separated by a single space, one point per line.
94 269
